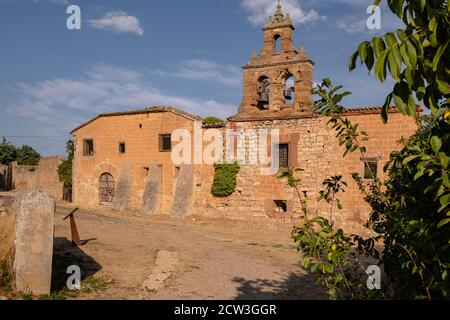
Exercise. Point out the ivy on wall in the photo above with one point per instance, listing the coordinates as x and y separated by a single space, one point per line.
224 183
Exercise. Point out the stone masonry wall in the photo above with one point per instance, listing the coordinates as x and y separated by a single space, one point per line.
43 177
315 149
132 169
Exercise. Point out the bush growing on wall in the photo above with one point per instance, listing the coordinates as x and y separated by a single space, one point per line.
65 168
225 179
212 120
26 155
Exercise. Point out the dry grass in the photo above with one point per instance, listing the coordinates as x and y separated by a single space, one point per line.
7 236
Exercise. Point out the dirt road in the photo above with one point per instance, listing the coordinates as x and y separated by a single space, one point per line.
194 258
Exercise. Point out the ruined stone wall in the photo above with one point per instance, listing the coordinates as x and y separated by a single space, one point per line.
43 177
314 148
134 168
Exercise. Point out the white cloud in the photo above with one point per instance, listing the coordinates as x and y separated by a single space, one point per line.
355 24
260 10
352 26
65 103
119 22
63 2
203 70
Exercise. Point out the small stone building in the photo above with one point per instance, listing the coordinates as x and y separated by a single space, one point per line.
123 160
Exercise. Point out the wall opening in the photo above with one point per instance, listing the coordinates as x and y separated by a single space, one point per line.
107 189
263 92
88 147
370 169
280 206
122 148
277 40
289 90
165 143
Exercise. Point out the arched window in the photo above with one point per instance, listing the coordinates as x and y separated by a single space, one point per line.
289 90
263 92
107 188
277 40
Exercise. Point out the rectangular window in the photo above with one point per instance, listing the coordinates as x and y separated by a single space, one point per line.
122 147
284 155
88 147
165 142
370 170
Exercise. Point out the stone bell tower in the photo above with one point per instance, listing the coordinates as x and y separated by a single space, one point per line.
278 80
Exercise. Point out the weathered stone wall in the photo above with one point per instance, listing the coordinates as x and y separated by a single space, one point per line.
314 148
146 179
134 168
43 177
35 215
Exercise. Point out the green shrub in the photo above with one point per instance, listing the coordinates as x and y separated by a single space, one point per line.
65 168
27 156
225 179
8 152
212 120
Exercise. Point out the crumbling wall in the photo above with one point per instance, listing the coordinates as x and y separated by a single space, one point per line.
43 177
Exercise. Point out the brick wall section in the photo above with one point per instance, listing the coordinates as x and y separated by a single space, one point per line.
43 177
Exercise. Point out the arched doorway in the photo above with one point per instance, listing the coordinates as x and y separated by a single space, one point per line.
107 189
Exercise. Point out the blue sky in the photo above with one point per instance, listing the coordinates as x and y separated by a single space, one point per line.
137 53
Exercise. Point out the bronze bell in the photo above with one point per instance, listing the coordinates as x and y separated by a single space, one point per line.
263 97
288 93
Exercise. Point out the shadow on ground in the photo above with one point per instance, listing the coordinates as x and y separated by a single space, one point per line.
66 254
292 287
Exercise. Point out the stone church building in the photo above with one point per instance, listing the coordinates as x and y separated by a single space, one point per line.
123 159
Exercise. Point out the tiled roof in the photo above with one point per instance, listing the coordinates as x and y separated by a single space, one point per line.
375 109
155 109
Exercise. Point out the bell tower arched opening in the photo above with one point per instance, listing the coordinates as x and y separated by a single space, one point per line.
277 39
263 92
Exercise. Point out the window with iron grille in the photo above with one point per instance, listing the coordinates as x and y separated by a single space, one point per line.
122 148
283 155
88 147
165 142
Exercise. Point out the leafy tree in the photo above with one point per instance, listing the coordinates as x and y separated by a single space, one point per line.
65 168
7 152
333 185
416 57
411 210
26 155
